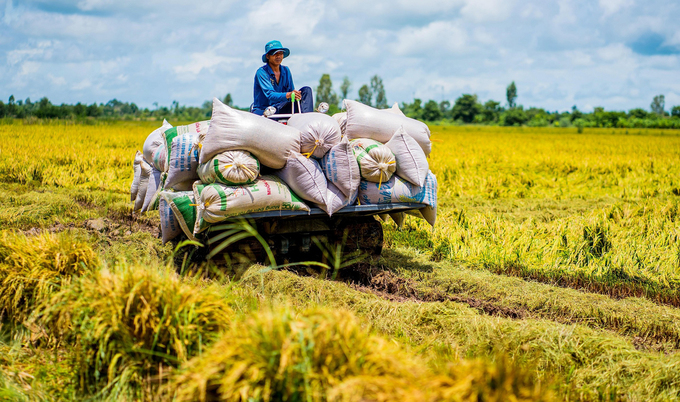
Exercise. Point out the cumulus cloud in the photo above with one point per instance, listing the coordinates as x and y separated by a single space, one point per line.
612 6
616 53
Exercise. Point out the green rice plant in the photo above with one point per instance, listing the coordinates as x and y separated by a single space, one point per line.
17 388
280 355
33 268
128 326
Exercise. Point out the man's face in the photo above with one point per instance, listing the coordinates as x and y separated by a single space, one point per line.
276 58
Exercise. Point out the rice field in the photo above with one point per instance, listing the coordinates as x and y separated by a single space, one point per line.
553 273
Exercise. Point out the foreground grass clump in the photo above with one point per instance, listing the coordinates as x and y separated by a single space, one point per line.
33 268
126 326
324 355
277 355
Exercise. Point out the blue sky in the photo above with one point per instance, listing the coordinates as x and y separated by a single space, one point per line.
613 53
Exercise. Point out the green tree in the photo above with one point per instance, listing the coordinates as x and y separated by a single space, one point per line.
675 111
638 113
431 111
324 92
413 110
444 107
378 90
228 100
491 111
365 95
344 88
514 117
658 105
511 94
466 108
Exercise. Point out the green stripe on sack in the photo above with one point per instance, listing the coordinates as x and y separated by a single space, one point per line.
368 148
188 212
169 135
223 197
219 174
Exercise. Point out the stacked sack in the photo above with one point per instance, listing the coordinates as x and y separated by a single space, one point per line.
203 173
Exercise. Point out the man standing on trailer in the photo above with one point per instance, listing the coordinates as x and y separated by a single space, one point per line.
274 84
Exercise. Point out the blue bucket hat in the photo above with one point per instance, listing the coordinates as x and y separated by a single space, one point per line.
274 45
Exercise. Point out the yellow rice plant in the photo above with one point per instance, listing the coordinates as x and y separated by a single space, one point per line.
126 327
33 268
278 355
325 355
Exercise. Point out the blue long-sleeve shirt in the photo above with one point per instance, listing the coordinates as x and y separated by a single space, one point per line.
266 91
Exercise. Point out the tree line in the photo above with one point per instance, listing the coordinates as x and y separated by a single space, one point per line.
466 109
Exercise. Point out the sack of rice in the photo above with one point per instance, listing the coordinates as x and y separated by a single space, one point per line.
341 118
232 129
395 109
412 163
154 141
376 161
399 190
183 160
152 188
336 200
178 214
137 167
230 167
341 168
429 213
144 174
160 159
305 178
398 218
318 133
366 122
217 202
198 128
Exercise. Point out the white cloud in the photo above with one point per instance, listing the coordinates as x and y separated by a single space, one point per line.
439 36
58 81
293 17
613 6
487 10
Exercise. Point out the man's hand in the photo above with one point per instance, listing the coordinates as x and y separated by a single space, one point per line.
298 94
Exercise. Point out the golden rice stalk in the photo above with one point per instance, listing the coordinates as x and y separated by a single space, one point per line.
277 355
32 268
128 325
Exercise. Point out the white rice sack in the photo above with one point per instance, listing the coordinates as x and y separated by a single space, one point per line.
170 228
376 161
183 160
336 200
169 135
232 129
305 178
137 167
154 141
152 189
160 159
399 190
183 209
185 185
398 218
144 174
412 163
429 213
178 214
217 202
341 168
366 122
341 118
395 110
231 168
318 133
